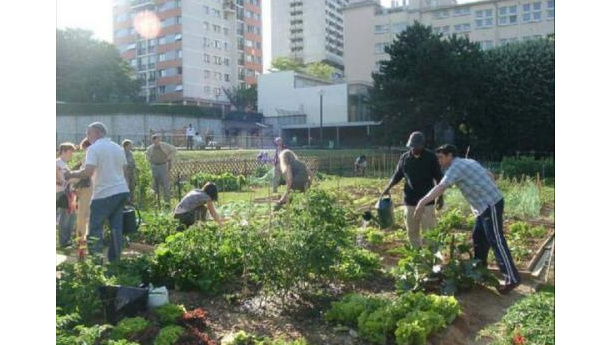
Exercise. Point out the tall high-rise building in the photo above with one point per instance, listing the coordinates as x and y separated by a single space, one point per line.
308 30
370 27
188 51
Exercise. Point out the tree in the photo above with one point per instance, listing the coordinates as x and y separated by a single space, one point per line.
519 100
320 70
243 97
427 80
90 70
284 63
316 69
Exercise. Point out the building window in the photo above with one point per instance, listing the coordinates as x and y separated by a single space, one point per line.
484 18
206 74
550 9
206 26
463 11
162 73
206 58
442 30
441 14
507 15
399 27
532 12
179 53
227 78
178 88
206 9
216 28
161 89
227 61
380 47
462 27
178 37
206 90
218 60
382 29
162 57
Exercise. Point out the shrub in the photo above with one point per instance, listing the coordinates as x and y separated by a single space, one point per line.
226 182
527 166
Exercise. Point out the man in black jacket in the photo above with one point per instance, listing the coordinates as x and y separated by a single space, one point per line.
421 171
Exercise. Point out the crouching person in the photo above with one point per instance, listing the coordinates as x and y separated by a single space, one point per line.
195 204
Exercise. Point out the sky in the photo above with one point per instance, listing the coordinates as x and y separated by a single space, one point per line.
96 15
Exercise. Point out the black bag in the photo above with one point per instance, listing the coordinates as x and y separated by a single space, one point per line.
62 201
131 219
122 301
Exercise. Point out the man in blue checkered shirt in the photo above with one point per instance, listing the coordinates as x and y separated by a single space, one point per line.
478 187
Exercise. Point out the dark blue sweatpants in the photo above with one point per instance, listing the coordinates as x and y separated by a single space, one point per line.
488 233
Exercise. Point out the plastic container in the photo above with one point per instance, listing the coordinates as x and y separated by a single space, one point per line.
157 296
385 211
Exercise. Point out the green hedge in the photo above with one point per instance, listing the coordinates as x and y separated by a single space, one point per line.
135 108
527 166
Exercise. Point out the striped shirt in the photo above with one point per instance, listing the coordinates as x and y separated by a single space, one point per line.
474 182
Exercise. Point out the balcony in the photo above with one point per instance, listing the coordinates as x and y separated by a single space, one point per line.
229 6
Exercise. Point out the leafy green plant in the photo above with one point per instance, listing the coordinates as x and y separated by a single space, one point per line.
357 264
121 342
169 335
530 321
128 327
348 310
410 319
243 338
77 288
155 227
527 166
170 313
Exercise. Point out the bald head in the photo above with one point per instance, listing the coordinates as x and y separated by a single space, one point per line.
95 131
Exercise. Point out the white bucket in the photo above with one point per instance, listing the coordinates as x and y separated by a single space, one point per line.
157 296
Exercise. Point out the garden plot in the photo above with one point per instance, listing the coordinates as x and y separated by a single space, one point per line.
276 274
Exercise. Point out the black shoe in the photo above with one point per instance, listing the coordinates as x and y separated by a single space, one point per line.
504 289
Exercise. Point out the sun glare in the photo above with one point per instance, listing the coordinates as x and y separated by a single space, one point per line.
147 24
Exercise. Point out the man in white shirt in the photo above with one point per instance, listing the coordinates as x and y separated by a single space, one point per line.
105 164
66 216
190 133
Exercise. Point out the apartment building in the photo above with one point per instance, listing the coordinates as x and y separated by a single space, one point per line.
200 47
370 27
308 30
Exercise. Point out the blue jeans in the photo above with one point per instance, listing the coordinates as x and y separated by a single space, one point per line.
110 208
66 224
488 233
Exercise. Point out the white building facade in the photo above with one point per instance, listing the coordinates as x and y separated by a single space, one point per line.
308 30
370 27
296 105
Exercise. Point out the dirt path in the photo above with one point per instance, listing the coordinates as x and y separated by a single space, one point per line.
480 306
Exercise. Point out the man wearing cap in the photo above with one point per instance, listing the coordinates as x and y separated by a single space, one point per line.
105 164
478 187
277 173
160 155
421 170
